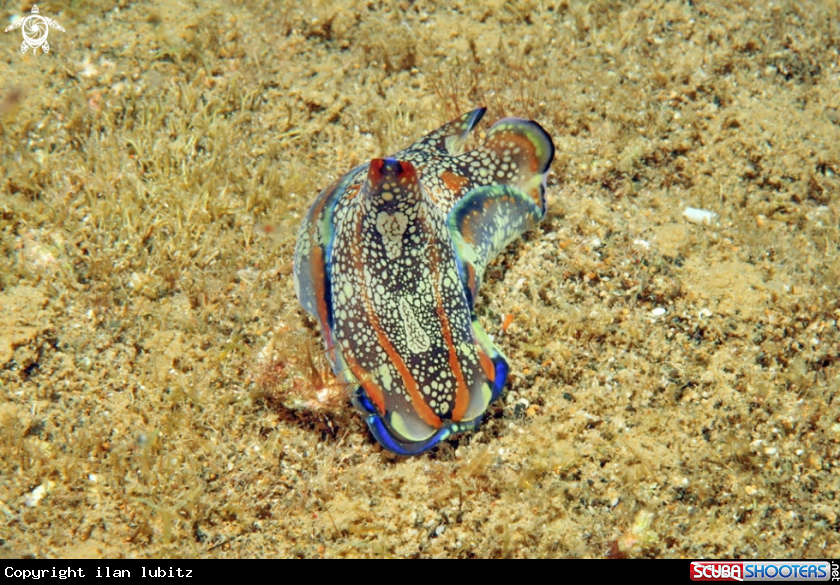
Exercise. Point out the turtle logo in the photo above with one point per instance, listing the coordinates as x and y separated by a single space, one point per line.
35 31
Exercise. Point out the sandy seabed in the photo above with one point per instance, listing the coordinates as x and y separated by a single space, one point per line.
674 388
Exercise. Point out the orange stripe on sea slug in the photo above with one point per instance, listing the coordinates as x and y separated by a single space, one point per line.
423 410
471 279
487 365
466 229
374 391
420 406
317 266
351 193
462 393
503 199
527 156
529 149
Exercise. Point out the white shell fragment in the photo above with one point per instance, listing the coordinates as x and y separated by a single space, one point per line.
699 216
34 498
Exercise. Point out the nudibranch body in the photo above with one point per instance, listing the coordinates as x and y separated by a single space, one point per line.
389 260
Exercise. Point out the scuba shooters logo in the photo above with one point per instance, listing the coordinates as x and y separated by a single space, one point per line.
717 571
764 571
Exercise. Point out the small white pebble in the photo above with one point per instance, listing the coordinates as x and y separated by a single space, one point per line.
699 216
659 311
249 275
34 498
